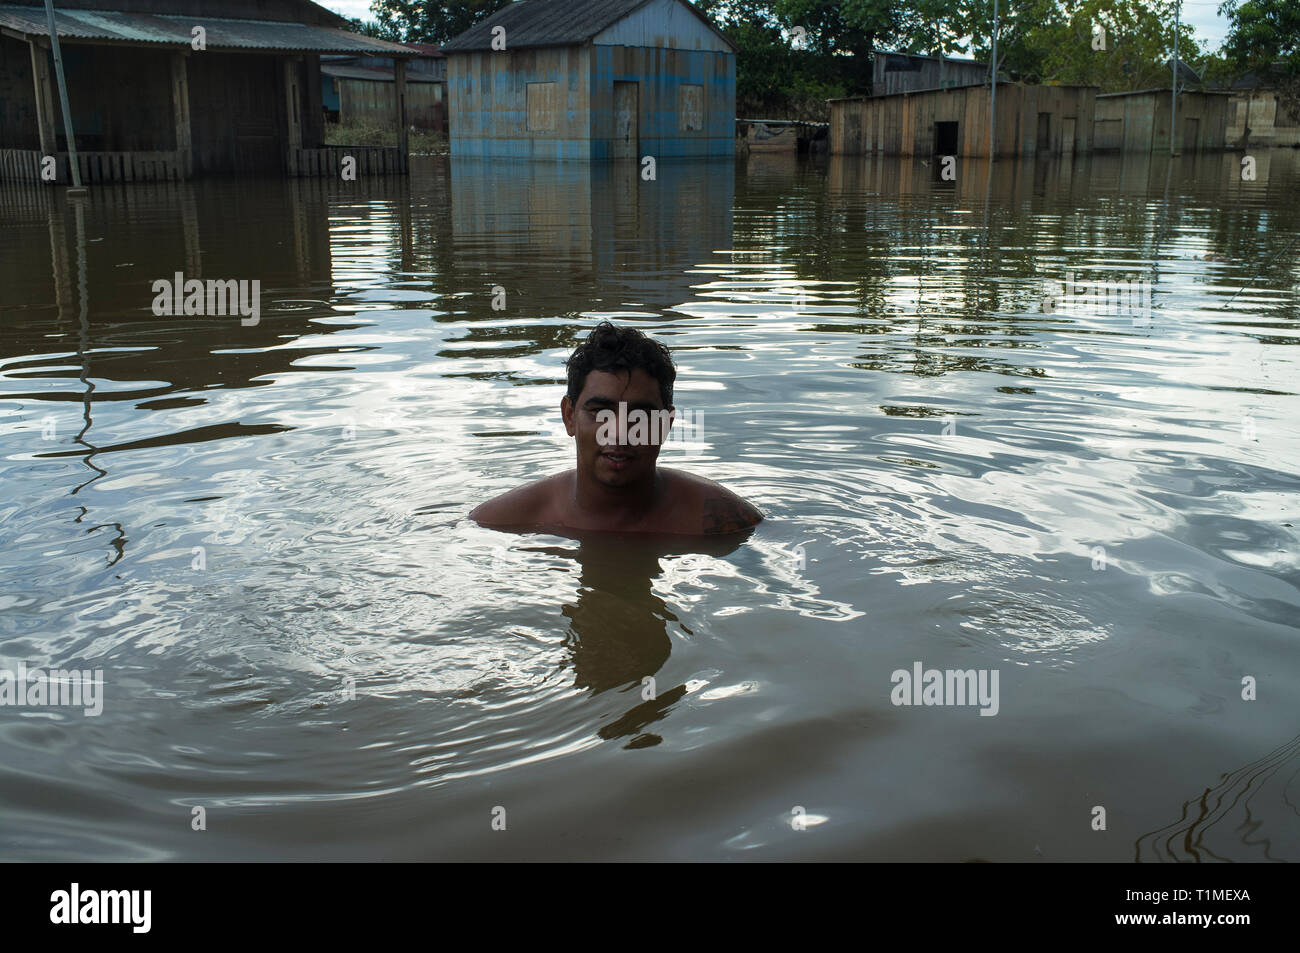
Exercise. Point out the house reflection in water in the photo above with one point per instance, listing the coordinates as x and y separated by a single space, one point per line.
545 232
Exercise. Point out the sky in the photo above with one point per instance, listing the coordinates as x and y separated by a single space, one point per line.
1203 14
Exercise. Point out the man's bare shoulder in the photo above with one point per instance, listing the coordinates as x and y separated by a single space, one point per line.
717 509
532 504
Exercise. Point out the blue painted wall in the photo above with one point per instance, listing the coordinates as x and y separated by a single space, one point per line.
489 101
660 74
328 97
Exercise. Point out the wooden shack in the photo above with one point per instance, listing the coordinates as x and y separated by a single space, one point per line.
592 79
1139 121
1259 117
1031 120
911 72
167 89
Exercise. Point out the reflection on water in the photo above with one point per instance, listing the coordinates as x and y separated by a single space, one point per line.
1235 807
259 532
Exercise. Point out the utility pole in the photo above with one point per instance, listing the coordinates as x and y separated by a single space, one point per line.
993 93
63 100
1173 96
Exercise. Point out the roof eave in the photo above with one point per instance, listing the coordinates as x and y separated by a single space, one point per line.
448 49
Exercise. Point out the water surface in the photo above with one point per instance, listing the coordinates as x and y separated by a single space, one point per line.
259 534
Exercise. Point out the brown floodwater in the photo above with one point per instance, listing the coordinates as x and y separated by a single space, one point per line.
969 459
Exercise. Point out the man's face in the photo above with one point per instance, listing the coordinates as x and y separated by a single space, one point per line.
614 459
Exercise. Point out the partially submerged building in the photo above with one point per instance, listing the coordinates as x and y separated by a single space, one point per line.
592 79
1031 121
1139 121
1258 113
1260 117
167 89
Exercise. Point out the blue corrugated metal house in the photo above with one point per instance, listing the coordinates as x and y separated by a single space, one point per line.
592 79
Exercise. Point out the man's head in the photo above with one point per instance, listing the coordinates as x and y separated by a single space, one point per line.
611 348
618 366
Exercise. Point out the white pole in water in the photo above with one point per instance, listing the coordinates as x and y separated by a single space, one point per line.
993 94
63 97
1173 95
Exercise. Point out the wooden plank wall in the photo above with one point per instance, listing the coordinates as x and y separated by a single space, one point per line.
1145 120
18 129
930 75
237 113
905 124
367 99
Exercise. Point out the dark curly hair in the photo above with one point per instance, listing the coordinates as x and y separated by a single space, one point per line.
611 348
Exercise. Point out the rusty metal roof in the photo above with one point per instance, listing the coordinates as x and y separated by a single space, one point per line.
172 30
533 23
373 74
544 23
1165 89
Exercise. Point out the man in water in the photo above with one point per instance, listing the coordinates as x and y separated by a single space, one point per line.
620 387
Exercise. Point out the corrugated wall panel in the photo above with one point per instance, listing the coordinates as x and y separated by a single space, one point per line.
489 115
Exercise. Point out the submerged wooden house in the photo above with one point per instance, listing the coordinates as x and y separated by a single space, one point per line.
592 79
1259 117
168 89
1139 121
1031 121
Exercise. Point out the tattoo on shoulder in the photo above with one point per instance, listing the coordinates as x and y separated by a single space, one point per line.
728 515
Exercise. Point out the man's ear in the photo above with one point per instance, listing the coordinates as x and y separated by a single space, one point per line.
566 412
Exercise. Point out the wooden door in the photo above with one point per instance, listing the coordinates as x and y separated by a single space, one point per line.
627 101
1191 131
1067 136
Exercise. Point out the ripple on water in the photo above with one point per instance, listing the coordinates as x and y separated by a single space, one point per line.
259 533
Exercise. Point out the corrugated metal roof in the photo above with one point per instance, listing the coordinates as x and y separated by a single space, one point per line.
927 56
544 23
375 75
172 30
1165 89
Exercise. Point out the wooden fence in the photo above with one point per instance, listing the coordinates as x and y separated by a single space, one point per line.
20 165
328 161
24 165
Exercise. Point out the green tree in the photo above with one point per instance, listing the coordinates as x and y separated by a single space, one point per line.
1264 41
1138 42
430 21
1054 41
1263 34
855 27
372 28
935 27
1022 44
775 79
